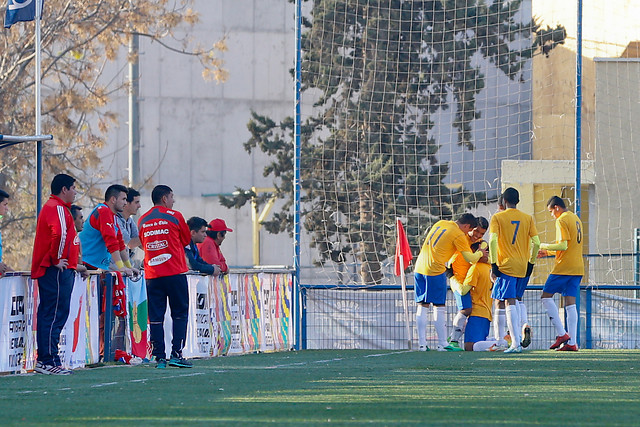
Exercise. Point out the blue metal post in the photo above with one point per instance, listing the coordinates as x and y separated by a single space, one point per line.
108 316
296 179
578 195
588 314
636 259
578 312
578 190
303 320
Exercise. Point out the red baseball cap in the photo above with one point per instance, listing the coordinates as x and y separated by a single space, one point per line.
218 225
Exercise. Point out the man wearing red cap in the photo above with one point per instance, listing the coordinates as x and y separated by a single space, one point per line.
210 248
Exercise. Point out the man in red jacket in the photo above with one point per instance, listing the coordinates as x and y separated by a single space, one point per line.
55 257
210 248
164 234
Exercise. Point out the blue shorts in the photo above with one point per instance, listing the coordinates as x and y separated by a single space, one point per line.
521 286
569 286
462 301
430 289
504 287
477 329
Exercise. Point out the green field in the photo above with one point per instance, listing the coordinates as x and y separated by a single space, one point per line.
341 387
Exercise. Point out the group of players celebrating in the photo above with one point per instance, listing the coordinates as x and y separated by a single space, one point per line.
499 270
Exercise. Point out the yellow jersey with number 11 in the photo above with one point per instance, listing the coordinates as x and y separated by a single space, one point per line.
443 240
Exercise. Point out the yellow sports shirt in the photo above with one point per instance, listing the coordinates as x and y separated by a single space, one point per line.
515 230
569 262
443 240
479 277
459 265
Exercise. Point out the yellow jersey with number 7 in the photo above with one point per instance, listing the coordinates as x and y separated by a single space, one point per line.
515 230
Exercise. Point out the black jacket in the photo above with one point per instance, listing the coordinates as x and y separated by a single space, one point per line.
195 261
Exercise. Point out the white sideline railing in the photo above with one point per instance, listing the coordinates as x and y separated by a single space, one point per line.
243 312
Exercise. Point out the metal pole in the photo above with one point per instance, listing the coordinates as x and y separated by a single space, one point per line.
405 305
636 259
296 161
578 191
588 314
38 77
578 129
134 111
256 228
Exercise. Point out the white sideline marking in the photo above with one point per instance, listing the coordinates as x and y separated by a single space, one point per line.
147 379
103 384
387 354
116 382
337 359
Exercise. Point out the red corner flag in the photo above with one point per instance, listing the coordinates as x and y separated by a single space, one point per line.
402 248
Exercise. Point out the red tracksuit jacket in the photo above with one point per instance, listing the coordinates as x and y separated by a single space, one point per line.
164 234
56 238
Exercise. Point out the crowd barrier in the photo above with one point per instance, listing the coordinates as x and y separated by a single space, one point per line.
242 312
373 318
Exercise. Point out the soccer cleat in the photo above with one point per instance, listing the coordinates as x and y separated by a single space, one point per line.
441 348
161 363
507 338
559 341
517 349
41 368
453 344
568 347
497 347
450 347
180 362
526 334
423 348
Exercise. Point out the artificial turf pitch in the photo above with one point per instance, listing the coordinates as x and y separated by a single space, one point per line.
349 387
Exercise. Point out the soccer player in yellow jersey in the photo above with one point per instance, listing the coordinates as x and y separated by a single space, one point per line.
430 282
478 279
566 274
513 248
457 274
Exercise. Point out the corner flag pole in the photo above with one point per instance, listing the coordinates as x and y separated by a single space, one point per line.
405 304
38 112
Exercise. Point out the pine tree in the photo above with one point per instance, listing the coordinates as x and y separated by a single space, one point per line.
378 71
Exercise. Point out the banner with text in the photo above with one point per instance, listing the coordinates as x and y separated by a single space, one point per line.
14 325
232 314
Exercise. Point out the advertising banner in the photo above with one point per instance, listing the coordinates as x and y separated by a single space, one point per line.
199 342
73 339
138 317
13 323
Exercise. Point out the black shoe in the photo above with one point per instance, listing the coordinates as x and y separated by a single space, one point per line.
180 362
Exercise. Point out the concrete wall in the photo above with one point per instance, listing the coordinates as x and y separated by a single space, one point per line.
192 131
617 153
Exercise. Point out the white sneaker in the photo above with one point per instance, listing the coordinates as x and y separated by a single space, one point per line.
498 347
135 360
517 349
441 348
423 348
41 368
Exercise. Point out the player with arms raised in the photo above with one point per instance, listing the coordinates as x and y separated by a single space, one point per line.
566 274
513 248
443 240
